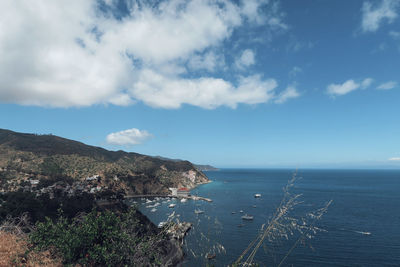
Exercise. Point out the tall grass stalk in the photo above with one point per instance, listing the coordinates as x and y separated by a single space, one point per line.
283 224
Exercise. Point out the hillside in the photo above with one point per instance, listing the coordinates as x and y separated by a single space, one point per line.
26 157
205 167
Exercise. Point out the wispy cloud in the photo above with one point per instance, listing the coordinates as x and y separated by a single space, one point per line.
288 93
395 159
245 60
128 137
394 34
366 83
348 86
294 71
387 85
374 16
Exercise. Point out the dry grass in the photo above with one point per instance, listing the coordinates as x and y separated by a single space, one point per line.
283 225
15 248
14 252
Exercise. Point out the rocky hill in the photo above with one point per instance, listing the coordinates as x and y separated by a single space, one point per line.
28 157
205 167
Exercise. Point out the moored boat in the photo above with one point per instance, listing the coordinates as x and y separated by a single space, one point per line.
247 217
211 256
161 224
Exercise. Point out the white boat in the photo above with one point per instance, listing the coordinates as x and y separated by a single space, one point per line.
257 195
171 205
247 217
183 199
161 224
153 210
241 211
198 211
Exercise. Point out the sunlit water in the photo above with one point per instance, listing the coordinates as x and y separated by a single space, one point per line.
363 223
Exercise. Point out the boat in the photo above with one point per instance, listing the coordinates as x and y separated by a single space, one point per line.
211 256
247 217
153 210
198 211
171 205
233 212
257 195
254 206
161 224
240 225
183 199
241 211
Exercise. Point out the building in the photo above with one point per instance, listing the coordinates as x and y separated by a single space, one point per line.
34 183
174 191
183 192
92 178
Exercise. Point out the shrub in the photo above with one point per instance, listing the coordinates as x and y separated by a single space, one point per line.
98 238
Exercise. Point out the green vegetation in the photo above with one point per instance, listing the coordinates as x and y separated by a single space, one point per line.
67 219
14 204
77 231
96 239
51 167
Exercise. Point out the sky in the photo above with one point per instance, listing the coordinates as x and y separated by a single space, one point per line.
252 83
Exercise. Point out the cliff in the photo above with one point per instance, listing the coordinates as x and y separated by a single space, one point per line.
26 157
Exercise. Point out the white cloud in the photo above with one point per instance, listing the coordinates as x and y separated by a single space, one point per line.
251 9
290 92
245 60
342 89
209 61
373 17
64 54
395 159
394 34
161 91
366 83
387 85
128 137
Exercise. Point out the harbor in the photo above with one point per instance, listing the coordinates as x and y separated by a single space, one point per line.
167 196
182 193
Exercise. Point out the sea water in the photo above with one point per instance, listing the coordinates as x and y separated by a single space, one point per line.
361 227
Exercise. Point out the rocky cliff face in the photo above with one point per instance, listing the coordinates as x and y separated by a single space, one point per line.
26 157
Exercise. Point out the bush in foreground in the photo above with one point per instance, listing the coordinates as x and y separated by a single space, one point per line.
99 239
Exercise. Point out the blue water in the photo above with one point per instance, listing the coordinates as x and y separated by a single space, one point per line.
363 201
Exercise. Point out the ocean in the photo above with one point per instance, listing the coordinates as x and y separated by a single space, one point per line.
361 226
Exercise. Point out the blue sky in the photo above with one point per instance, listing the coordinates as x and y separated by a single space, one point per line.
233 84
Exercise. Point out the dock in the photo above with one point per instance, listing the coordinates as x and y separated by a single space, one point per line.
164 196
